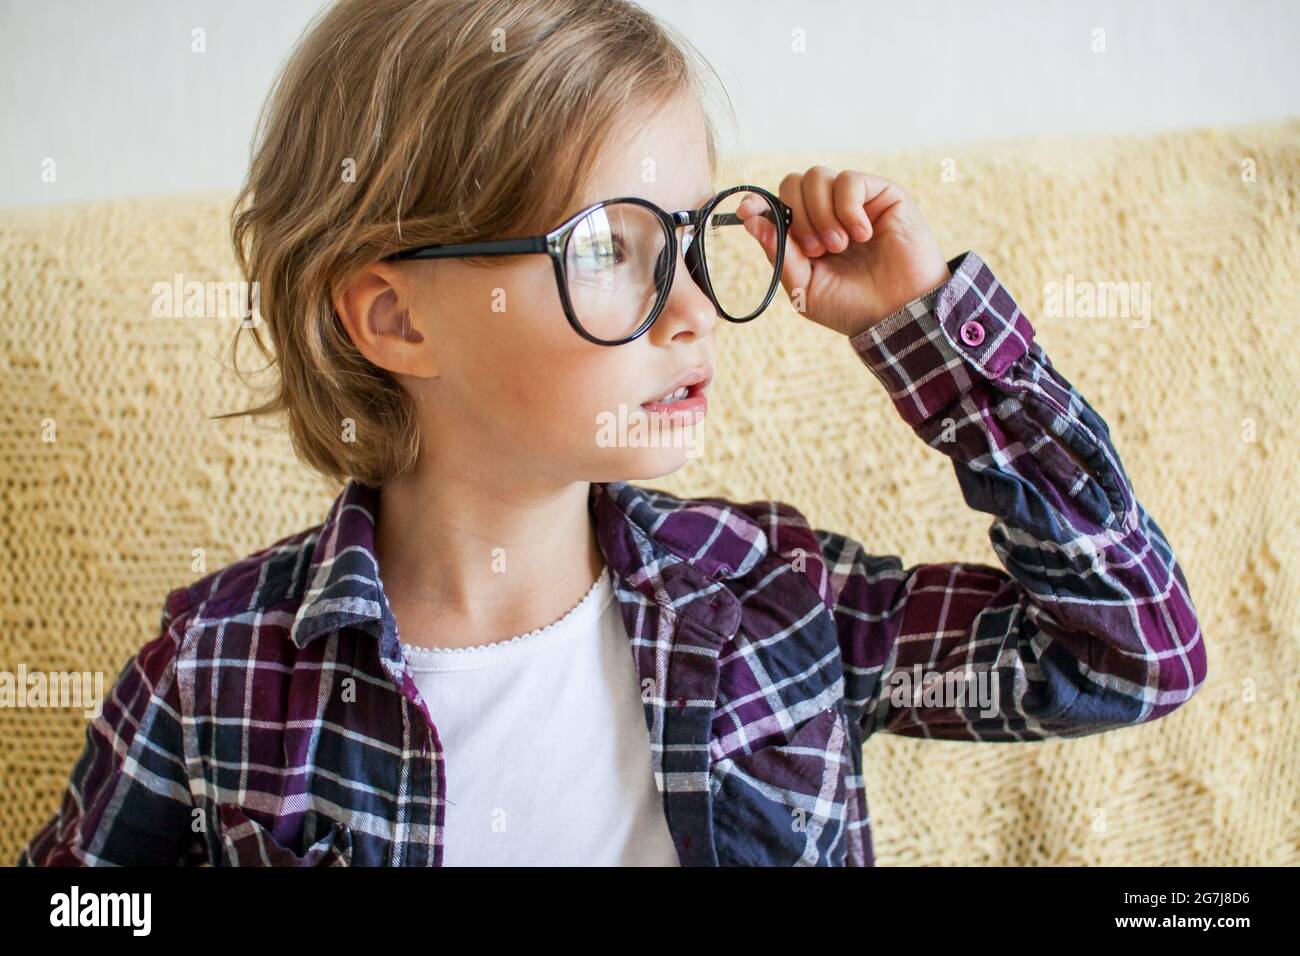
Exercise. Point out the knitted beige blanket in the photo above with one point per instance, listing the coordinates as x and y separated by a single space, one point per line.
112 475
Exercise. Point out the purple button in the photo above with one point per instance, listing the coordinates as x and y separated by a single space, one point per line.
972 333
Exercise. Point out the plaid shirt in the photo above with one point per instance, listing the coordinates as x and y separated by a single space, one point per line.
273 721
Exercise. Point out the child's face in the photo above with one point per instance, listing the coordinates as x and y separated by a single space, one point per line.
512 391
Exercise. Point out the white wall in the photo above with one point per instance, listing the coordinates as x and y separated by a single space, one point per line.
111 91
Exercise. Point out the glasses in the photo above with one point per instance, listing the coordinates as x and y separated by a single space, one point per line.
615 260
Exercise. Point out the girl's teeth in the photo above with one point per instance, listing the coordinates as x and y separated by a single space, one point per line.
677 395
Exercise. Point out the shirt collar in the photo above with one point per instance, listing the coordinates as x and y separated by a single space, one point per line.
642 532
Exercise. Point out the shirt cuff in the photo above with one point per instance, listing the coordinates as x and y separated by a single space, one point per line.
934 348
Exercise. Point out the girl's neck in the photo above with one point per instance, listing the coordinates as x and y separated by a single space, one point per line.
467 562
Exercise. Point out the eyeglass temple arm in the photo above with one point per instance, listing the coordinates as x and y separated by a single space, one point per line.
530 244
490 247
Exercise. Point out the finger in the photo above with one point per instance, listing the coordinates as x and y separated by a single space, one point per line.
849 197
818 201
765 233
795 268
751 204
881 194
800 230
750 210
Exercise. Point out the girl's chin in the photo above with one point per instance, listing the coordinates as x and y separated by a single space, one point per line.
644 464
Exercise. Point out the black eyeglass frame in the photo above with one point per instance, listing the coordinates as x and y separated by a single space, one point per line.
555 243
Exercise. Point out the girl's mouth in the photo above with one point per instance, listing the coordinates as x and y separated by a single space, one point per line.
683 406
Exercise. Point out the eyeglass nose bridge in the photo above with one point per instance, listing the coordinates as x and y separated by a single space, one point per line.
695 265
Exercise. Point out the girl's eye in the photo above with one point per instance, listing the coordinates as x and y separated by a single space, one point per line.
610 251
619 247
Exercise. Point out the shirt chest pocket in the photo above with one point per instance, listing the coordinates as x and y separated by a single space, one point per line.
784 804
245 842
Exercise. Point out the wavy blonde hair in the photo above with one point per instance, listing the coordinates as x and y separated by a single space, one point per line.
397 123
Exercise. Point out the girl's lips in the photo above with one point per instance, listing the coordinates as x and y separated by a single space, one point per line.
690 409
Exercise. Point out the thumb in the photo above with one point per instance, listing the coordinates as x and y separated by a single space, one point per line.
796 268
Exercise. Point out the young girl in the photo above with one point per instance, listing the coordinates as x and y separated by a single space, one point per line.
497 650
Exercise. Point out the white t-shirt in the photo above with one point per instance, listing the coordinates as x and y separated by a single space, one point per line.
546 747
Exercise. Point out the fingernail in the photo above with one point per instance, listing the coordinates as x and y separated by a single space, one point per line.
832 238
860 233
811 246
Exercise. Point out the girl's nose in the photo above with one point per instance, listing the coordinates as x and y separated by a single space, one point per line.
687 306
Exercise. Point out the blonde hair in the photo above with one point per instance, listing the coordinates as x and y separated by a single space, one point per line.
459 120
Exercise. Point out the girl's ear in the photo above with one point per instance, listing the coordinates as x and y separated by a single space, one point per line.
378 320
408 331
387 316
